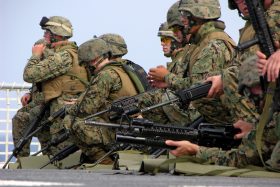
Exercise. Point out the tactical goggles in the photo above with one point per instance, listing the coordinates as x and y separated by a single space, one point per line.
43 21
165 39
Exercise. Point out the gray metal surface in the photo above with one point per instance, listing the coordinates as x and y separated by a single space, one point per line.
121 179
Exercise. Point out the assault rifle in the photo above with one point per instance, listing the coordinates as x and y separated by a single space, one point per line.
145 132
129 105
62 154
31 131
263 34
28 133
54 142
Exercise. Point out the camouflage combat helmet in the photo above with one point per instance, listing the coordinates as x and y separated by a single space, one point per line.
116 43
248 74
165 31
57 25
173 16
92 49
203 9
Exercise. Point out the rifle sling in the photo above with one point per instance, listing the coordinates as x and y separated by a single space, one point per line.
264 119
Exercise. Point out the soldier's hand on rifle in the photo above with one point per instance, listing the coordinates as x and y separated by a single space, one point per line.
271 66
217 86
25 99
183 147
261 63
245 128
37 50
157 73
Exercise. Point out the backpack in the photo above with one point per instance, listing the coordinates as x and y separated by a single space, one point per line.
137 74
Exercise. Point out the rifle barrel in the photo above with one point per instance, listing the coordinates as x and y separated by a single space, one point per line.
7 162
159 105
98 123
143 141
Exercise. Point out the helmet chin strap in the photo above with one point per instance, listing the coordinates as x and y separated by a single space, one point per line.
99 60
243 17
92 68
185 31
174 45
168 54
54 40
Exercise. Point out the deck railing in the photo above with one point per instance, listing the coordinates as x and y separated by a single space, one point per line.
10 95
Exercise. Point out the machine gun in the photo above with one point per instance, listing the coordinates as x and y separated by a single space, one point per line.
145 132
129 105
263 34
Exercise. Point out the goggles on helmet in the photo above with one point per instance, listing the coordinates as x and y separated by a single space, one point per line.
43 21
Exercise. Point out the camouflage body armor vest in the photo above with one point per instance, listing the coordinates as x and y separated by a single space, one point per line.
218 35
129 88
246 34
71 83
214 35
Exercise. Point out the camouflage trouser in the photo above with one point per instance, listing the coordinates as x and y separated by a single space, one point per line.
21 120
214 110
168 114
247 154
94 141
56 127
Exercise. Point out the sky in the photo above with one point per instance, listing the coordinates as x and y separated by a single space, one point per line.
137 21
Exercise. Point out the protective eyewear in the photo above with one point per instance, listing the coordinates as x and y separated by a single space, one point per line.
165 39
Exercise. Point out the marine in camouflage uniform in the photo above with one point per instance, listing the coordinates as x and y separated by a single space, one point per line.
25 114
177 67
249 88
246 111
212 51
171 114
109 82
118 49
61 77
241 108
247 153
